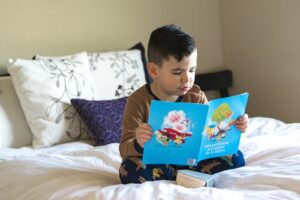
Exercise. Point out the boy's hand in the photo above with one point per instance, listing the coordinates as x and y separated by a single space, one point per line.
143 133
242 123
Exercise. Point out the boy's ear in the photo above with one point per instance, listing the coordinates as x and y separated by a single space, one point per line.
152 69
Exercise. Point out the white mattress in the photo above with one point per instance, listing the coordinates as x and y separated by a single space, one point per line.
78 170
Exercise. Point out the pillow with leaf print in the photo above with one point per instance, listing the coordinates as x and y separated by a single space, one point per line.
44 88
118 73
103 118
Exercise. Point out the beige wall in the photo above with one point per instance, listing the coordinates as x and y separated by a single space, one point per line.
261 44
258 39
59 27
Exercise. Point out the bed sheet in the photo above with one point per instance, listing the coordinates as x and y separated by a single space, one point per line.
79 170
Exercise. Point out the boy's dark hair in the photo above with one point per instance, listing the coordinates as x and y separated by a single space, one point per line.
167 41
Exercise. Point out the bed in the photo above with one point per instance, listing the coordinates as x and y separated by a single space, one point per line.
72 166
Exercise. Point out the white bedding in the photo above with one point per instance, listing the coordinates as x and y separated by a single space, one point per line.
78 170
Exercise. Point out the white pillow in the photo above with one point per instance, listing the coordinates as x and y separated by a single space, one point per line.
117 74
14 129
45 87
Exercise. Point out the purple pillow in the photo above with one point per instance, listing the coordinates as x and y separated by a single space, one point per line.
102 118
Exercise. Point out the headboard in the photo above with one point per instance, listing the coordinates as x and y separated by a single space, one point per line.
220 80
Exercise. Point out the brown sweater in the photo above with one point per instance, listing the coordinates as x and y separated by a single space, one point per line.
136 112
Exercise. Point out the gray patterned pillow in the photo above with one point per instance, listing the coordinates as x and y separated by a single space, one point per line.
103 118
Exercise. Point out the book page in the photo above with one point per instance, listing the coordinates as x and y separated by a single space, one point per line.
177 131
220 137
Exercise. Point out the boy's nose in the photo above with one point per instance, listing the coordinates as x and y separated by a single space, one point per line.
185 78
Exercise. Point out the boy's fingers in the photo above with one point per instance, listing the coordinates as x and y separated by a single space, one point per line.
144 131
242 127
143 137
243 118
144 125
238 123
142 142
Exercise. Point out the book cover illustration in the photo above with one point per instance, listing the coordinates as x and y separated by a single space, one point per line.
220 122
185 133
175 128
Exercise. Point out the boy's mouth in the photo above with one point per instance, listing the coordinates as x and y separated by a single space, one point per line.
184 89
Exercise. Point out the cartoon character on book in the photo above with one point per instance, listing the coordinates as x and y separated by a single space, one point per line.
174 128
221 122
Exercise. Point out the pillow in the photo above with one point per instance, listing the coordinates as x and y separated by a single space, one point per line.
116 74
103 118
139 46
45 87
14 129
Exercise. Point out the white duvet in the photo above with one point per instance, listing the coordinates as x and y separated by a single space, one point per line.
80 171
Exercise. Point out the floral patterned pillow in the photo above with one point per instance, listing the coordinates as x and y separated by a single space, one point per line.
44 88
103 118
118 73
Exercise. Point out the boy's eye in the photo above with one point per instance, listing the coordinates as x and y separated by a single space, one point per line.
192 70
177 72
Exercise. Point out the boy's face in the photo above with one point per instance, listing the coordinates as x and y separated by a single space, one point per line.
173 78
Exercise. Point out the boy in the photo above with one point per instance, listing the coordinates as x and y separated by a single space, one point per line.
172 57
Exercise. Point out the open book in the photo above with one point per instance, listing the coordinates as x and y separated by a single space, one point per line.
185 133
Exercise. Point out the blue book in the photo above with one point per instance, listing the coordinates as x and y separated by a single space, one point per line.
186 133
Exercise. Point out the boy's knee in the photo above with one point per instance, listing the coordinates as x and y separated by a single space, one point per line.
238 159
130 172
215 165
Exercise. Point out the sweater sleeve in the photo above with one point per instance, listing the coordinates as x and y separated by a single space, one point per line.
132 117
